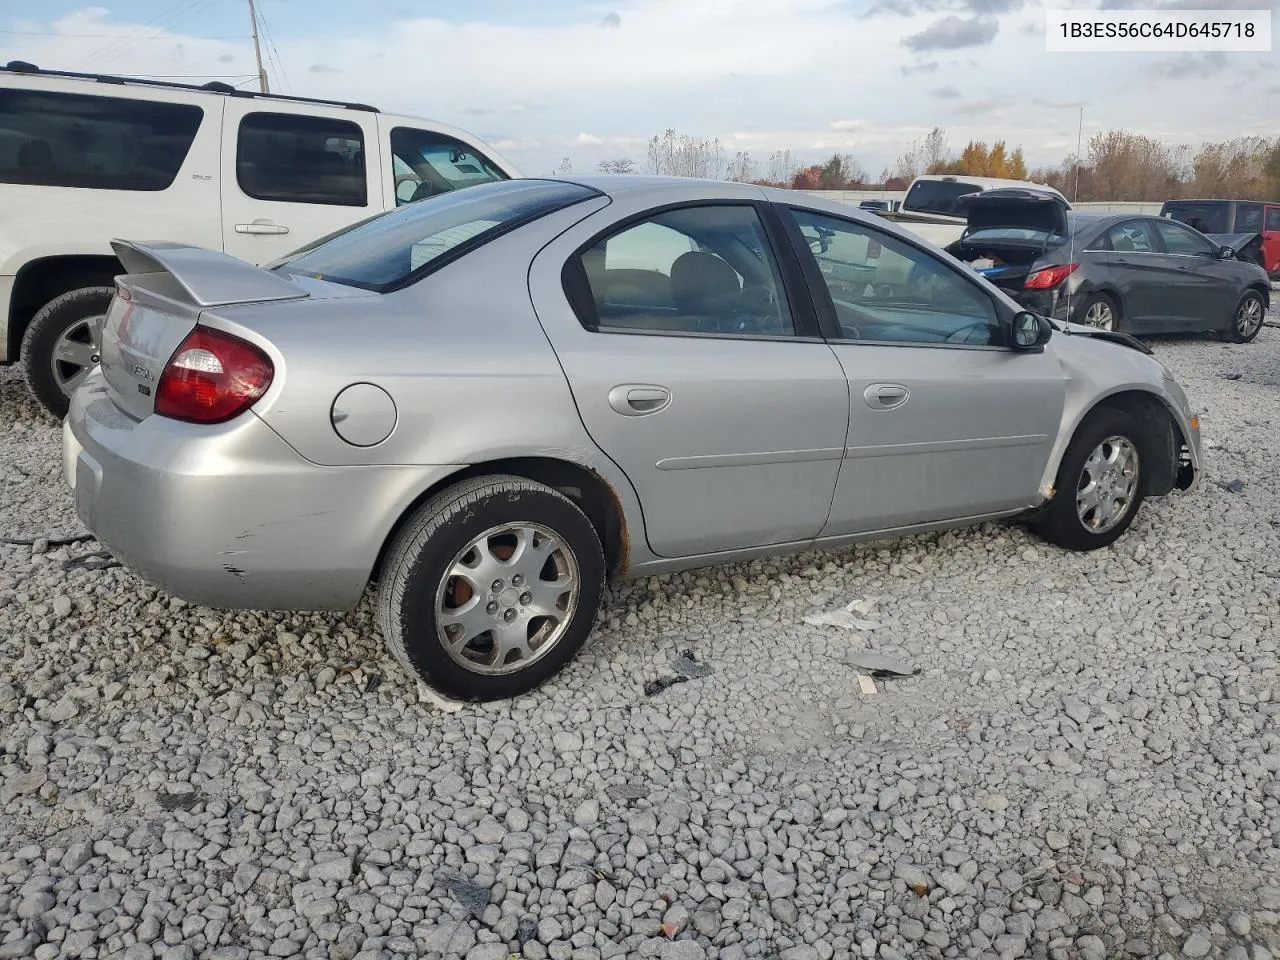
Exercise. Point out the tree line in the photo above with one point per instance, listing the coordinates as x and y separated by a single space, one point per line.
1115 165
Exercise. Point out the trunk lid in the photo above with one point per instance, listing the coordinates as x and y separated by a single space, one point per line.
160 299
1016 209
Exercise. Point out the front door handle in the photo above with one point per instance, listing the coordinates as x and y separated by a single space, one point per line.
885 396
638 399
261 226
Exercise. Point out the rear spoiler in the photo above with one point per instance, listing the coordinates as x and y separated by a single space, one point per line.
209 277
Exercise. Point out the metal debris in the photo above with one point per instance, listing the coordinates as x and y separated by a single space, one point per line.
1230 376
472 897
98 560
1231 486
182 800
687 665
879 665
657 686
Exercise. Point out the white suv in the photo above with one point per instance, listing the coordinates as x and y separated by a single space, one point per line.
87 158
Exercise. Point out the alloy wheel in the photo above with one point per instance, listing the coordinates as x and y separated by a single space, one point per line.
1108 484
1100 315
76 352
507 598
1249 317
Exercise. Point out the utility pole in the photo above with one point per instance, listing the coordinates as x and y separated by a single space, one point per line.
257 49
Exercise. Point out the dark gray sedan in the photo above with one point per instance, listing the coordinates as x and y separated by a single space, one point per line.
1125 272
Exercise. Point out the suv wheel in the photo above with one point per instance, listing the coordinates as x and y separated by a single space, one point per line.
62 344
491 588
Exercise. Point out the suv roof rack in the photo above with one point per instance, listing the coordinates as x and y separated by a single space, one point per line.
214 86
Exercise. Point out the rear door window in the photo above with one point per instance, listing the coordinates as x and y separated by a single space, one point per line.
1273 219
100 143
1135 236
300 159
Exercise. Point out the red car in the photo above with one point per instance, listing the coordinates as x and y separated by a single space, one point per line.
1234 216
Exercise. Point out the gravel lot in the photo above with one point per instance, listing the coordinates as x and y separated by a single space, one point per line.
1088 765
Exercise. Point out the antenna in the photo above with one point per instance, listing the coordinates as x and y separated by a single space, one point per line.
1071 257
257 49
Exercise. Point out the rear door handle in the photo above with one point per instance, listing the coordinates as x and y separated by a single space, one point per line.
261 226
885 396
638 399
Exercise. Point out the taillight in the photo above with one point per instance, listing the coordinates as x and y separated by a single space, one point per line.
212 377
1049 276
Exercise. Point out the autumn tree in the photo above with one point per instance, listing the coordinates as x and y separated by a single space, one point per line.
1017 165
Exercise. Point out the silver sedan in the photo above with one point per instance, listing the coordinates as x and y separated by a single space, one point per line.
490 402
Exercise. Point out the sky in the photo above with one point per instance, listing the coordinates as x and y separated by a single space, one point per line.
545 80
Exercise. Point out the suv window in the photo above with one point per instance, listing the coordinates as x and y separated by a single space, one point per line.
425 163
704 269
102 143
1135 236
1273 219
389 250
887 290
937 196
1207 216
1181 241
1248 218
300 159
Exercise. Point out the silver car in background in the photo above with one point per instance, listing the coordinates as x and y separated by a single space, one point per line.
490 402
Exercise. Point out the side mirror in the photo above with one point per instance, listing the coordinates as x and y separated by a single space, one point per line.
1226 253
1030 332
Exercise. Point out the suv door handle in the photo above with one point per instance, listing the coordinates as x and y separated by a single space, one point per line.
885 396
638 399
261 226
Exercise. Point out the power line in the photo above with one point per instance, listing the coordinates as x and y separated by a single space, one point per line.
274 51
180 14
111 36
136 32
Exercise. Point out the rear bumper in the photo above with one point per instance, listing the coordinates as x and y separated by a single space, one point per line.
229 516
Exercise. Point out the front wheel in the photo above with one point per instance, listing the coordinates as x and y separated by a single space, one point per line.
1247 319
491 588
1099 486
63 343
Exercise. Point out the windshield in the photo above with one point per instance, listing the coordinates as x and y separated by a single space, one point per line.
1207 217
937 196
427 163
389 250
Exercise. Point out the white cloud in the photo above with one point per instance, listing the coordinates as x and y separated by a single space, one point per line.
761 75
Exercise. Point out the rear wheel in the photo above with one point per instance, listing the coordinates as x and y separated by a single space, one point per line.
1099 486
1247 319
1100 311
63 343
491 588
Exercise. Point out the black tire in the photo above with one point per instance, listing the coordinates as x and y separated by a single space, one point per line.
1237 330
1117 314
1060 522
416 571
51 322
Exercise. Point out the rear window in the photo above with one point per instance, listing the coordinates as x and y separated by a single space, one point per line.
1207 217
1012 235
426 163
391 250
100 143
937 196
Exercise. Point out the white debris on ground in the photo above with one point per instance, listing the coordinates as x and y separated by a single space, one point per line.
1088 765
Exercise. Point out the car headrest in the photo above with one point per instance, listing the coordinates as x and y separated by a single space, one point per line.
698 280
